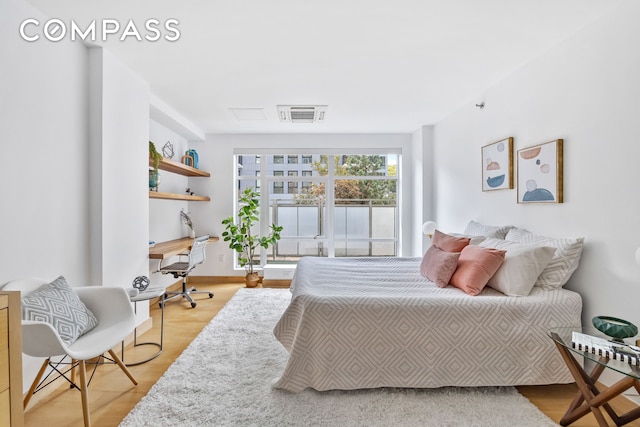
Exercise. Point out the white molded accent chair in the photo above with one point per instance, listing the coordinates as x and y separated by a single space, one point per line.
116 320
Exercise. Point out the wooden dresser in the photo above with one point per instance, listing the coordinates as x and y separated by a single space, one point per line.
11 412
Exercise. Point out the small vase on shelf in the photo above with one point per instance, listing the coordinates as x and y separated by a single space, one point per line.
192 233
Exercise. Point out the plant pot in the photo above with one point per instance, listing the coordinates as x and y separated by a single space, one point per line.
154 180
251 280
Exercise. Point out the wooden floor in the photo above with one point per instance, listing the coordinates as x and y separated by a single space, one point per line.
112 396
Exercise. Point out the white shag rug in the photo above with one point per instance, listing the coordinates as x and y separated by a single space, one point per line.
224 378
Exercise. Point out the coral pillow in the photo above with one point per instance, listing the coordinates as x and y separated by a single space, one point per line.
476 266
449 243
438 265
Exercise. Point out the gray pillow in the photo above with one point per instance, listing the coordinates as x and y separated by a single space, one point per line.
57 304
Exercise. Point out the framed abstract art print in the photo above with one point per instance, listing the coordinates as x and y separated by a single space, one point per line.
540 173
497 165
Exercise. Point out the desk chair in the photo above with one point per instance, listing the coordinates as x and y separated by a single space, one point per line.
116 320
182 269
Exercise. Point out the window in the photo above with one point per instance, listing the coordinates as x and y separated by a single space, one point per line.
306 184
358 217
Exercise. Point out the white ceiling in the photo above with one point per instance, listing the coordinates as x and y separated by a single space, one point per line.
380 65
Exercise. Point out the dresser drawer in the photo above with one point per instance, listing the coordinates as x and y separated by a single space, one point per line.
4 350
5 412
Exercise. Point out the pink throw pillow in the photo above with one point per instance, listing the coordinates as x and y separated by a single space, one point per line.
476 266
438 265
449 243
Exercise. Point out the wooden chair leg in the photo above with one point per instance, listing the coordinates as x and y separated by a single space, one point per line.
123 367
35 383
73 371
84 393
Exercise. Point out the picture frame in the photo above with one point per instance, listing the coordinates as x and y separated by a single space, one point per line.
540 171
497 165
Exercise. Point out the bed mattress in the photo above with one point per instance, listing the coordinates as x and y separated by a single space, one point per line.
376 322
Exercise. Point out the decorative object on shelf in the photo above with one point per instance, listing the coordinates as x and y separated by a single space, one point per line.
186 220
153 154
239 234
190 158
154 179
614 327
540 173
497 165
141 283
154 175
167 150
188 191
187 160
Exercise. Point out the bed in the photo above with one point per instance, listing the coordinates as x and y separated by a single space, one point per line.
358 323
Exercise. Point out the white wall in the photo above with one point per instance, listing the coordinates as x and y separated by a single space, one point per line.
586 91
422 197
44 174
119 105
216 155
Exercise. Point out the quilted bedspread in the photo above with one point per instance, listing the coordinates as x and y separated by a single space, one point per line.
376 322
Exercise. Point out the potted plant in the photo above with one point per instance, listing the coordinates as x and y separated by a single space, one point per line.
240 237
154 176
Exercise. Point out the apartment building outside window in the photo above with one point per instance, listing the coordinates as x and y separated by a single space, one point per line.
335 205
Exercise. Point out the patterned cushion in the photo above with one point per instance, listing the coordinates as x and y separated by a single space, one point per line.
56 303
438 265
476 229
564 262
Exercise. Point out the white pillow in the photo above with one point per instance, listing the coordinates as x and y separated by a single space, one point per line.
564 262
476 229
521 267
475 240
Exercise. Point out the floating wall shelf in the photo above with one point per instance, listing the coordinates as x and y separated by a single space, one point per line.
179 168
175 196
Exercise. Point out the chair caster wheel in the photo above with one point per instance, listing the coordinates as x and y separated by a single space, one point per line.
211 295
193 305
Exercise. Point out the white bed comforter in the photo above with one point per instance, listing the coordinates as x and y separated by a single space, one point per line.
376 322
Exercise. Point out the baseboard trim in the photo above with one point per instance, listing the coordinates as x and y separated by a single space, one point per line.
218 280
276 283
215 280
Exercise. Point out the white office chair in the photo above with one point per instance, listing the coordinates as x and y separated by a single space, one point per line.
116 320
197 255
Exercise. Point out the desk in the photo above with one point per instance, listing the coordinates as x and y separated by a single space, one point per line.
589 397
171 248
146 295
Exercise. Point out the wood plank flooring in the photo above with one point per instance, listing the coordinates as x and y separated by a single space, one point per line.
112 396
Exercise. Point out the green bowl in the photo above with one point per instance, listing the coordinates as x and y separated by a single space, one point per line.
614 327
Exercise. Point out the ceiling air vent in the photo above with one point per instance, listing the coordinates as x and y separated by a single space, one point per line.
302 113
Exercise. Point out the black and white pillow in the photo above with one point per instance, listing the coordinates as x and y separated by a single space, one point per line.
57 304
